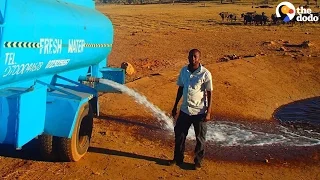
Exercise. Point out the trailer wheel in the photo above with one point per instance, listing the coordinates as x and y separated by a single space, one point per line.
47 147
74 148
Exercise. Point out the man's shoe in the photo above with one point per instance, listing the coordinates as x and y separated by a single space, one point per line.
172 162
197 166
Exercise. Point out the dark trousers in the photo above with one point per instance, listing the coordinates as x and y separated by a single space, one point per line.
181 128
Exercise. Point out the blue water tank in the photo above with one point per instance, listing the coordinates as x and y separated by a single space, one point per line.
44 37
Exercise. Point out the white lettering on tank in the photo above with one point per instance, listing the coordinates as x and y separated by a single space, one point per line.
9 59
50 46
18 69
57 63
76 45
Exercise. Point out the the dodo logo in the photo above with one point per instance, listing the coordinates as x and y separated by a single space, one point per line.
286 11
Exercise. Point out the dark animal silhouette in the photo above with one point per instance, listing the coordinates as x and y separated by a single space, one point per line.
223 15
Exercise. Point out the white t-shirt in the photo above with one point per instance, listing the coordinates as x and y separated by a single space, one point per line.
195 86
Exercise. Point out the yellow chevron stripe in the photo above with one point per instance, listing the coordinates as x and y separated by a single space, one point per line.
37 45
97 45
21 45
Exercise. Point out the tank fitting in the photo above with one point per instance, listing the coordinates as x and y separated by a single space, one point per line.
89 79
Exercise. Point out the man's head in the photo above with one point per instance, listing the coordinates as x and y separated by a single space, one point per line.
194 57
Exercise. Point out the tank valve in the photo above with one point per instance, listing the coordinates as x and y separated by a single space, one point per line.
89 79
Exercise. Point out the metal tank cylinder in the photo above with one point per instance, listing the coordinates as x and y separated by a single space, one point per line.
46 37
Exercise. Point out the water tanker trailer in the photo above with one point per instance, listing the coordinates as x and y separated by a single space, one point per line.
52 53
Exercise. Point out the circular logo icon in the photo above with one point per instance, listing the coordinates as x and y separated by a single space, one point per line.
286 11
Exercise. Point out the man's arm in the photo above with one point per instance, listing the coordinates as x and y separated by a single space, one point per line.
209 95
209 88
178 97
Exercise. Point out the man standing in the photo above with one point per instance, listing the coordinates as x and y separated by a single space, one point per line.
195 85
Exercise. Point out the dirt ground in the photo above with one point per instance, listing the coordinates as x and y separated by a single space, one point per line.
128 142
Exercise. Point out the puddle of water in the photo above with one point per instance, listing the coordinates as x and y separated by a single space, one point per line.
226 133
235 134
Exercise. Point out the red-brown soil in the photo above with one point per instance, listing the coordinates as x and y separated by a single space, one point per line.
127 140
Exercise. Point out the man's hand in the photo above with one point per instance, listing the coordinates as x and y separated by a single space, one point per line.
174 111
179 95
208 116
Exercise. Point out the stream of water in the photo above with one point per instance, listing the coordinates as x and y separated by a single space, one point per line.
226 133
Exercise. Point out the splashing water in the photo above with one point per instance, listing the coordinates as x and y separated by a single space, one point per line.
226 133
160 115
234 134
